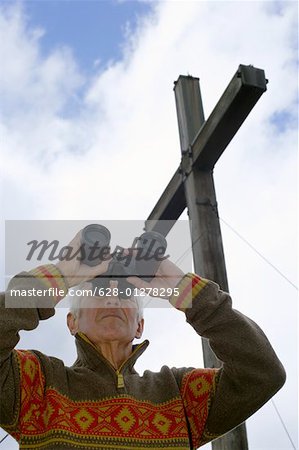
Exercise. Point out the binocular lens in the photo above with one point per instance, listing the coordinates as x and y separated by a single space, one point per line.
94 235
151 241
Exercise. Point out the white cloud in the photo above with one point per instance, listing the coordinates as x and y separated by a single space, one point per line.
74 147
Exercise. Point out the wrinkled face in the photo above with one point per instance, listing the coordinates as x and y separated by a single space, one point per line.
107 319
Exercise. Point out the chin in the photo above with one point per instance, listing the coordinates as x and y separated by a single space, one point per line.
110 335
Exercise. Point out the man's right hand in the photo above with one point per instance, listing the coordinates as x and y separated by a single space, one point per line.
74 271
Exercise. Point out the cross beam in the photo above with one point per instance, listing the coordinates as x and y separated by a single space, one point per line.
240 96
192 185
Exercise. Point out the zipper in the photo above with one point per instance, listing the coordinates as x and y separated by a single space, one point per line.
120 377
120 380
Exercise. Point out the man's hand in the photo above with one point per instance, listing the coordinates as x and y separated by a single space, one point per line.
167 276
74 271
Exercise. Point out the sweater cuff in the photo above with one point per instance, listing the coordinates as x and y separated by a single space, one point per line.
53 279
189 287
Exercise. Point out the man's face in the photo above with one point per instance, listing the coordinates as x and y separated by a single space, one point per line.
107 319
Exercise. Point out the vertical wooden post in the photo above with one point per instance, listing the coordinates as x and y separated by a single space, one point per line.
205 230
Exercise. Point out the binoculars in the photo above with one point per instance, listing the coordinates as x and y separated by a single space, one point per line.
141 260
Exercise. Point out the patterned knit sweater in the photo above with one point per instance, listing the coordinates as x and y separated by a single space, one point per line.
46 405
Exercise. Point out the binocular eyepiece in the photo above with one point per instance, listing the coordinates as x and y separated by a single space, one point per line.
141 260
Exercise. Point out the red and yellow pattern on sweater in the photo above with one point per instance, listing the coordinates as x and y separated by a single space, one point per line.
49 419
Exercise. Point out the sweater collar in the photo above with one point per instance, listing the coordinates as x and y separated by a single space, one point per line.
89 355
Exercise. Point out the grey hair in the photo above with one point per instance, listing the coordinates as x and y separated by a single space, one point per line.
75 305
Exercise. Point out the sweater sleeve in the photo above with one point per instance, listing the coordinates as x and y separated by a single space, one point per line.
250 373
20 310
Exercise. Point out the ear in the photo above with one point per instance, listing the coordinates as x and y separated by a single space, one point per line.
72 323
140 328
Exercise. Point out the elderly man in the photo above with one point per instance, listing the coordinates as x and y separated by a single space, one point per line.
101 402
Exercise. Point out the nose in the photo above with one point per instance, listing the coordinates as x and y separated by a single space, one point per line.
113 299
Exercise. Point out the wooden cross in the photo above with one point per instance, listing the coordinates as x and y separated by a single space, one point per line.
192 185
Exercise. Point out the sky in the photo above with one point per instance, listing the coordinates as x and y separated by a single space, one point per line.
89 132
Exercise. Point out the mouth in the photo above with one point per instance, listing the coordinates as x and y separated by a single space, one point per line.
115 316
